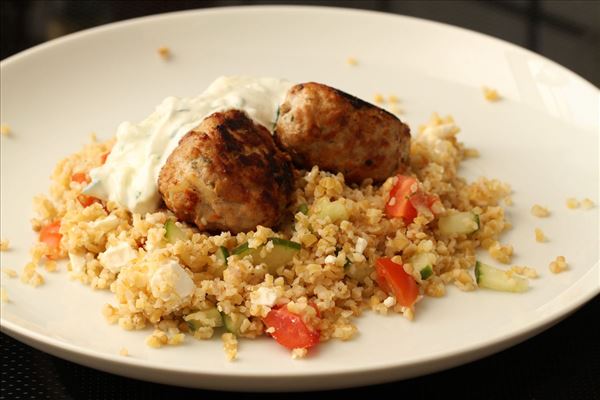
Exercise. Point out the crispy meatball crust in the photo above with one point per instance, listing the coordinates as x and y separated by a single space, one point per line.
320 125
227 175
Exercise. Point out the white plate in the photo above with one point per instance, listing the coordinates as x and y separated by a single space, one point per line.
542 138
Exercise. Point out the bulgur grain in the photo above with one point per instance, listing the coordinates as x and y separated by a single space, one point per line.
352 61
164 52
539 211
490 94
378 98
572 203
4 295
5 130
124 352
4 244
9 272
299 353
522 270
559 265
587 203
230 345
539 235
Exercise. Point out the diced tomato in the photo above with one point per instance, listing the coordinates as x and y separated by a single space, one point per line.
406 201
86 200
80 177
392 279
399 205
103 157
290 330
50 235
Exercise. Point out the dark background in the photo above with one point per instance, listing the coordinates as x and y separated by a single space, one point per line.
561 363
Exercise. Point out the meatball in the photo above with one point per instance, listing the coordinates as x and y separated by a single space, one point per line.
320 125
227 175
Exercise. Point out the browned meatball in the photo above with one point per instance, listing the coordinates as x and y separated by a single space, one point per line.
228 175
320 125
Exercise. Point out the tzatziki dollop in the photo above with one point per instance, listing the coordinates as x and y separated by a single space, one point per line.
129 176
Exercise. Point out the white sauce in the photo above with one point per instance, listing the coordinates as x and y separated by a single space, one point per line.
130 175
171 278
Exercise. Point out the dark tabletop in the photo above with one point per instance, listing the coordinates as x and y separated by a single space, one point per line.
561 363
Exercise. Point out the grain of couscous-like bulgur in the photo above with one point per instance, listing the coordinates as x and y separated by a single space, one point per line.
164 52
352 61
331 279
572 203
230 345
5 130
587 203
490 94
540 237
9 272
4 244
539 211
559 265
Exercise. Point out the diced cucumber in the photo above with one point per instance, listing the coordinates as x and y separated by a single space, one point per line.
497 279
222 255
282 253
423 262
233 322
460 223
303 208
241 250
426 272
205 318
335 210
173 232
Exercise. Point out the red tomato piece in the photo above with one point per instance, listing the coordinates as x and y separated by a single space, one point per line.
399 204
50 235
103 157
80 177
290 330
392 279
86 200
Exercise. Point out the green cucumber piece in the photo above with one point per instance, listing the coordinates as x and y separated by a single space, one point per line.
460 223
222 255
173 233
233 322
426 272
335 210
282 253
206 318
497 279
303 208
423 262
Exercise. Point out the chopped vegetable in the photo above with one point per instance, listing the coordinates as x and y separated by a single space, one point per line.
406 201
206 318
103 157
222 255
84 200
282 253
303 208
423 262
233 322
497 279
80 177
173 233
392 278
289 330
335 210
460 223
51 236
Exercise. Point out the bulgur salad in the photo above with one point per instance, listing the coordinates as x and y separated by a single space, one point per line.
262 207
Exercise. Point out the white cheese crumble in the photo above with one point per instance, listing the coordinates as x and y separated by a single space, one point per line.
361 245
171 278
116 257
264 296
